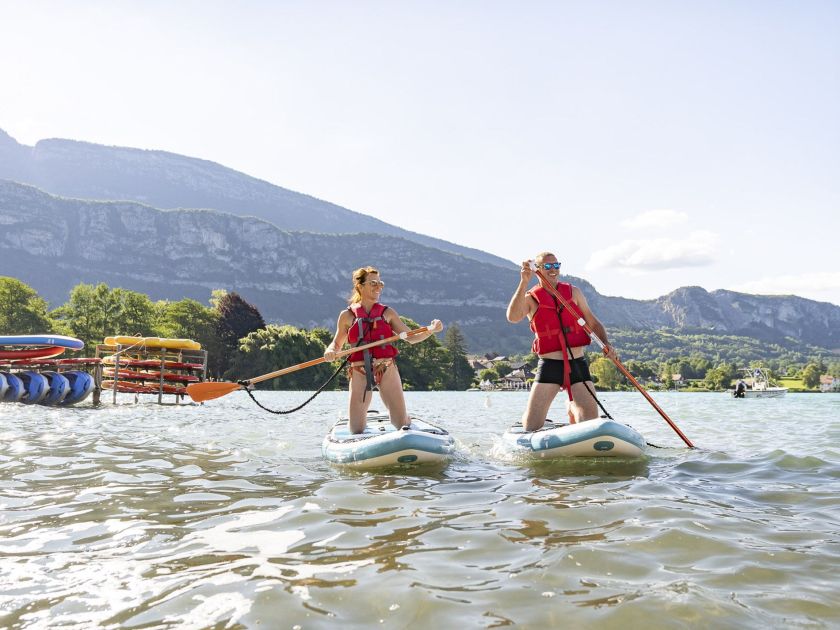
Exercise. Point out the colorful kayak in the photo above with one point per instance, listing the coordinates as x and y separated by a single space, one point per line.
14 387
80 385
35 387
44 352
59 387
152 363
382 445
139 388
42 340
153 342
592 438
151 376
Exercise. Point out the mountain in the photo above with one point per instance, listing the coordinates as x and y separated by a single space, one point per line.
166 180
302 278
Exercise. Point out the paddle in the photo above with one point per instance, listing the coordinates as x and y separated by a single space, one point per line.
582 323
200 392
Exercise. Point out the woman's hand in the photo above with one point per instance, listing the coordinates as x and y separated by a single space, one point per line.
329 353
436 326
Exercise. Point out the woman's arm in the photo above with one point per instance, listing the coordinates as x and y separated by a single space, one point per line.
398 326
341 329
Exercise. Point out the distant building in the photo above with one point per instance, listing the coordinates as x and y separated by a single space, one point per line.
515 381
829 383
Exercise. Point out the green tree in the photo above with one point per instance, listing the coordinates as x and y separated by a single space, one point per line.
95 312
720 377
189 319
236 319
606 375
22 311
275 347
423 365
460 371
811 376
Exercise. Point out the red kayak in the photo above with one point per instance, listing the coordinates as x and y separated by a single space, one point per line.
44 352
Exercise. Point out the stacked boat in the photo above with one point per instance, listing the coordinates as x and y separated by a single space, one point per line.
31 372
151 365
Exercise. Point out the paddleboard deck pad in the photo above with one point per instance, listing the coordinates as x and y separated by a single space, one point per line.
592 438
382 445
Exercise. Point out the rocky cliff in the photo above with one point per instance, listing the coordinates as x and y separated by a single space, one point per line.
167 180
53 243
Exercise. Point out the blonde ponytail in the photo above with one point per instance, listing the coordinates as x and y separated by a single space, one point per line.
359 278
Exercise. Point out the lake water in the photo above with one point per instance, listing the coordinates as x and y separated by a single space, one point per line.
224 516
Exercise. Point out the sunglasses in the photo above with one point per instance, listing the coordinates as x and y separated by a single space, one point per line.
555 265
375 283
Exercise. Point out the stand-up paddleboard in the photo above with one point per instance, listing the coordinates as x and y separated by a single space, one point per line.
592 438
80 384
382 444
35 387
70 343
59 387
14 387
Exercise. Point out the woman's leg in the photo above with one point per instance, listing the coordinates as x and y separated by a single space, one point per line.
391 392
542 395
358 407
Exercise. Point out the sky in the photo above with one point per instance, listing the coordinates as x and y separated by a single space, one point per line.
649 144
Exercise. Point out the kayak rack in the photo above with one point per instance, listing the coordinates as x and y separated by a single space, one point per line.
138 369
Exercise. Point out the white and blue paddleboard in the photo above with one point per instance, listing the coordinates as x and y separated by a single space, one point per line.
382 445
42 340
591 438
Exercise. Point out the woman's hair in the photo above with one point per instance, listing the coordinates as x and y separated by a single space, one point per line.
359 278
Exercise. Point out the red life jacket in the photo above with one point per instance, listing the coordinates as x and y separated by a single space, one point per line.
546 324
550 316
370 326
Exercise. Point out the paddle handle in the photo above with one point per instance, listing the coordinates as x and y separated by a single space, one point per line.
582 323
338 355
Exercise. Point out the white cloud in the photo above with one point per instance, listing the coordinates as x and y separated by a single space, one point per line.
697 249
817 285
656 219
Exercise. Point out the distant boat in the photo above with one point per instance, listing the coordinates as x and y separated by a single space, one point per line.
760 386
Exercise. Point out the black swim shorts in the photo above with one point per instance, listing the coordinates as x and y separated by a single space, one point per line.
551 371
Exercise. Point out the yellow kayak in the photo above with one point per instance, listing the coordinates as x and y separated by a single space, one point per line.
153 342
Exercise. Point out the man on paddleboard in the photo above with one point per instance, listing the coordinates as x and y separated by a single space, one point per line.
559 341
365 320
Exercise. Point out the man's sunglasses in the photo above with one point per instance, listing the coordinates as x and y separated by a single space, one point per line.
555 265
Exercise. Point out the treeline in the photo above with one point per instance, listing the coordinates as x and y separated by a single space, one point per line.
238 341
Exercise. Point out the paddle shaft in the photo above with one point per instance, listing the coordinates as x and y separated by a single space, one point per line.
338 355
582 323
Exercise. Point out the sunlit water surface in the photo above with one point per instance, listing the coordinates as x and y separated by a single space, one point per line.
222 515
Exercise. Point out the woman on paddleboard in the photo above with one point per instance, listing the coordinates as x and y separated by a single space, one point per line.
559 341
366 320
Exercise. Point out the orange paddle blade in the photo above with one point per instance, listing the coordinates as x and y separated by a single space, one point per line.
200 392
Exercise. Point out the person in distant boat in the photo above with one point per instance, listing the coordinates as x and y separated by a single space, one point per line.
741 389
559 341
366 320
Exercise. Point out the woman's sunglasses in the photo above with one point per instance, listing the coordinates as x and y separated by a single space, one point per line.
375 283
554 265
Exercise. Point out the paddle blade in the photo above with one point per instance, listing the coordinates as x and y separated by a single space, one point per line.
200 392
